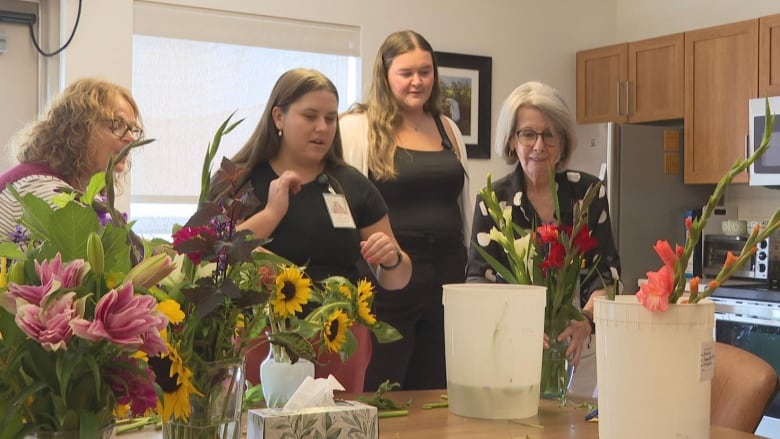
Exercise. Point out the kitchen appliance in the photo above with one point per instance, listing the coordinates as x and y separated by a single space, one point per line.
749 318
647 198
766 170
716 246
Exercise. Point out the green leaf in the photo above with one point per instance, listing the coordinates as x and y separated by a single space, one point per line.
500 269
384 332
70 226
11 251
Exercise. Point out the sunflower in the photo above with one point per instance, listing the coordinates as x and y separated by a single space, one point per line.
175 380
292 290
364 292
336 328
172 310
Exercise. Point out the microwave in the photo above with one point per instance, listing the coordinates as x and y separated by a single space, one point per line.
766 170
761 265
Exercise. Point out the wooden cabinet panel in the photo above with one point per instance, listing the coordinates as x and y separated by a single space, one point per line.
656 78
721 75
600 73
769 56
635 82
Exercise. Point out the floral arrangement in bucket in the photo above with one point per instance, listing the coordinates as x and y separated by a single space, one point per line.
551 255
667 285
74 319
227 292
662 332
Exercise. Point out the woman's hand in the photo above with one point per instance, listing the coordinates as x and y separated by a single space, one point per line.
263 223
279 191
379 249
577 333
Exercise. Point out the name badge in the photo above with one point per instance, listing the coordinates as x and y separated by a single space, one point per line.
338 208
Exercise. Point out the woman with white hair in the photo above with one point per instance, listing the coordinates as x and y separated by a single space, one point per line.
535 130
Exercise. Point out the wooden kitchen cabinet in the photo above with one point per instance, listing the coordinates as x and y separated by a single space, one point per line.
721 75
633 82
769 56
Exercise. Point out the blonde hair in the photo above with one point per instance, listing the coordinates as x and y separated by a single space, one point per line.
59 138
549 102
381 107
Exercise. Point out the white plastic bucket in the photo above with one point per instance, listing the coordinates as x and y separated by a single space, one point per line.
654 369
494 335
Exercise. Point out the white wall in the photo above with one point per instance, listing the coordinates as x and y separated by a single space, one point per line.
526 39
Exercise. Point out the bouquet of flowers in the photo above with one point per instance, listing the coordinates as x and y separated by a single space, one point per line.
228 292
552 255
667 285
75 325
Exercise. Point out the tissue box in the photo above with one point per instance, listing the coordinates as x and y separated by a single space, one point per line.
347 419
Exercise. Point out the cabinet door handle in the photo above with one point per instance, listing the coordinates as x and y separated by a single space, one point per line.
617 93
628 98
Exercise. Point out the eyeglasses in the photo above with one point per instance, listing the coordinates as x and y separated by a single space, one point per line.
120 128
528 137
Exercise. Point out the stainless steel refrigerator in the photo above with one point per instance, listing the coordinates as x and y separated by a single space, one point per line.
647 202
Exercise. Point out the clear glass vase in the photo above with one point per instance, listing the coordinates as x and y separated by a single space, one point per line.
280 378
557 370
216 414
107 432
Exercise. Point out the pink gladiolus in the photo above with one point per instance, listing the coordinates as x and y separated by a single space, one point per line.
50 326
665 252
654 294
127 320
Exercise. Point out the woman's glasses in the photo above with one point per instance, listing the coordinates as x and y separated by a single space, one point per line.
528 137
120 128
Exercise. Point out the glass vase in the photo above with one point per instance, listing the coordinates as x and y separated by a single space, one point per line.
556 368
280 378
216 414
107 432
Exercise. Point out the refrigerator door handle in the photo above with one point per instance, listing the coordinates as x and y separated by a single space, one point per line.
617 98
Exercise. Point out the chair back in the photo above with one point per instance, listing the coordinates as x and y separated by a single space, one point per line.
743 384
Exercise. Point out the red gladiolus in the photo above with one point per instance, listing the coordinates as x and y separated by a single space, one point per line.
584 241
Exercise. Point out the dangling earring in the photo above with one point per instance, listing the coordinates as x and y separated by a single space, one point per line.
280 132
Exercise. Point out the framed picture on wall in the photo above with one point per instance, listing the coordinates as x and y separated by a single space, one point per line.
465 82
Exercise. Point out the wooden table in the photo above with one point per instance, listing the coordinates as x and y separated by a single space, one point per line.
556 422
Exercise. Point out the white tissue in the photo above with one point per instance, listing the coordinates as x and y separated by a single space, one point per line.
314 393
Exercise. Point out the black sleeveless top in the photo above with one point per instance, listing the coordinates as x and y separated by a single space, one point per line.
423 198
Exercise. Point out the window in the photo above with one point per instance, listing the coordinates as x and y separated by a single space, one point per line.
185 87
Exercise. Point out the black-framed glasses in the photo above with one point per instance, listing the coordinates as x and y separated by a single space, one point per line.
120 128
528 137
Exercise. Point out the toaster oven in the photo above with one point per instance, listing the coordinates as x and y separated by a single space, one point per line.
763 265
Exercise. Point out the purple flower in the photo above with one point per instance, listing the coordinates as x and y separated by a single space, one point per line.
130 321
50 326
130 387
19 236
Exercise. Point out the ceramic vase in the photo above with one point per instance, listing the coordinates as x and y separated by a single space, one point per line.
493 348
216 414
654 369
280 377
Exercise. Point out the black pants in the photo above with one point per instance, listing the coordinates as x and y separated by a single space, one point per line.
417 360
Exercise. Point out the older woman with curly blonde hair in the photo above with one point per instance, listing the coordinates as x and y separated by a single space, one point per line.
91 121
